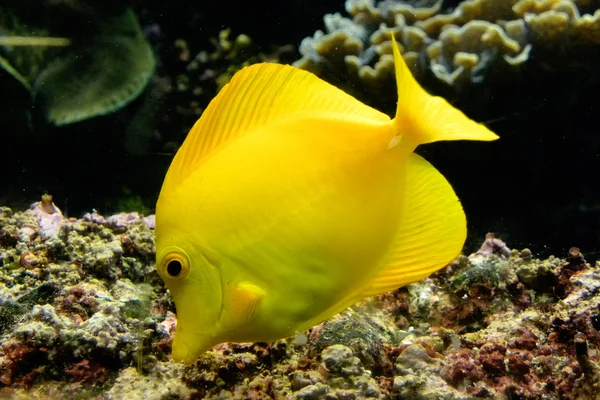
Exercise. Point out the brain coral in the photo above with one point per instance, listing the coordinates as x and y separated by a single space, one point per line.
479 41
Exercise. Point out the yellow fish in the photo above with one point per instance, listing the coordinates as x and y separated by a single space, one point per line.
290 200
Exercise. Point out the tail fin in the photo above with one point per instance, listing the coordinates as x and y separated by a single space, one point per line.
425 118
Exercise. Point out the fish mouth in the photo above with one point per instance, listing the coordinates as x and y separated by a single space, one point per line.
188 349
180 351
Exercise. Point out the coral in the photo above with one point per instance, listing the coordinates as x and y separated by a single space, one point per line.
105 66
480 41
492 245
418 376
164 382
520 352
346 376
360 332
539 275
72 310
87 372
49 216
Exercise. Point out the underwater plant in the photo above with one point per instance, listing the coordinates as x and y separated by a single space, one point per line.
75 60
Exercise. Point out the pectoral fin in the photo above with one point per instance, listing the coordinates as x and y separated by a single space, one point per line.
245 298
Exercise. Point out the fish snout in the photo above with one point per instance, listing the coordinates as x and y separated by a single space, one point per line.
188 349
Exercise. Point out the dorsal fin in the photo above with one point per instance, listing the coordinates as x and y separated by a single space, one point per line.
258 95
433 230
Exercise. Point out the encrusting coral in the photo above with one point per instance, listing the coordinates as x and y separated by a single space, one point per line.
81 308
480 41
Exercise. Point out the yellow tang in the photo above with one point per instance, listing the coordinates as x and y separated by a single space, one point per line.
290 200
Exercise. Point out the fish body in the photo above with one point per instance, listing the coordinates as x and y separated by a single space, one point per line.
290 200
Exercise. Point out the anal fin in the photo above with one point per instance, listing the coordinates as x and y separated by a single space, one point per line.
432 232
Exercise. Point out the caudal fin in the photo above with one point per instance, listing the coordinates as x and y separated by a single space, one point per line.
423 118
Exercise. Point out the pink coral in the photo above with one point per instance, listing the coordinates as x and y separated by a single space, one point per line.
492 245
49 216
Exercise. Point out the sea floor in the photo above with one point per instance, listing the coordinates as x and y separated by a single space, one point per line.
83 315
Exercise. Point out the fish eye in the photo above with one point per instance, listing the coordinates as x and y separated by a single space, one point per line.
174 268
175 265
